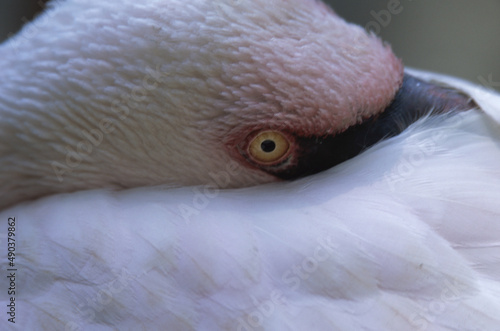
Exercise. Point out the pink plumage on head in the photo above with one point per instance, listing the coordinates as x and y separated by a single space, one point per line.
219 72
309 70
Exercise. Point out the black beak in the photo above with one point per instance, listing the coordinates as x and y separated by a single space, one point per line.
414 100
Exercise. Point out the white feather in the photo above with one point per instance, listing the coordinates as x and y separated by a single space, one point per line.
405 236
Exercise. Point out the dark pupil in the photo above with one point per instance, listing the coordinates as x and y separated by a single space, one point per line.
268 146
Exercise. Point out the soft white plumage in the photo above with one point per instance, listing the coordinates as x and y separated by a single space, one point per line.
404 236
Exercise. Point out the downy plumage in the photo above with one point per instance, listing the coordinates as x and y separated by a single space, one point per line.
403 236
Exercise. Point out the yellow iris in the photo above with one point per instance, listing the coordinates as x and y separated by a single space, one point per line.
268 147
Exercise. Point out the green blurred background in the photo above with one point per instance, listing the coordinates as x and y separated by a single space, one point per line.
458 37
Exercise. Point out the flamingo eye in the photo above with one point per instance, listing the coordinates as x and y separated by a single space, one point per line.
268 147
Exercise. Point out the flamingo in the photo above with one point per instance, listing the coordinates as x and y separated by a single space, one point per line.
240 165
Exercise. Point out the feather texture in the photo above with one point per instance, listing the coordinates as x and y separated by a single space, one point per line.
178 85
403 237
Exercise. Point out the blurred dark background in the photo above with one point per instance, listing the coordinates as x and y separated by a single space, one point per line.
457 37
